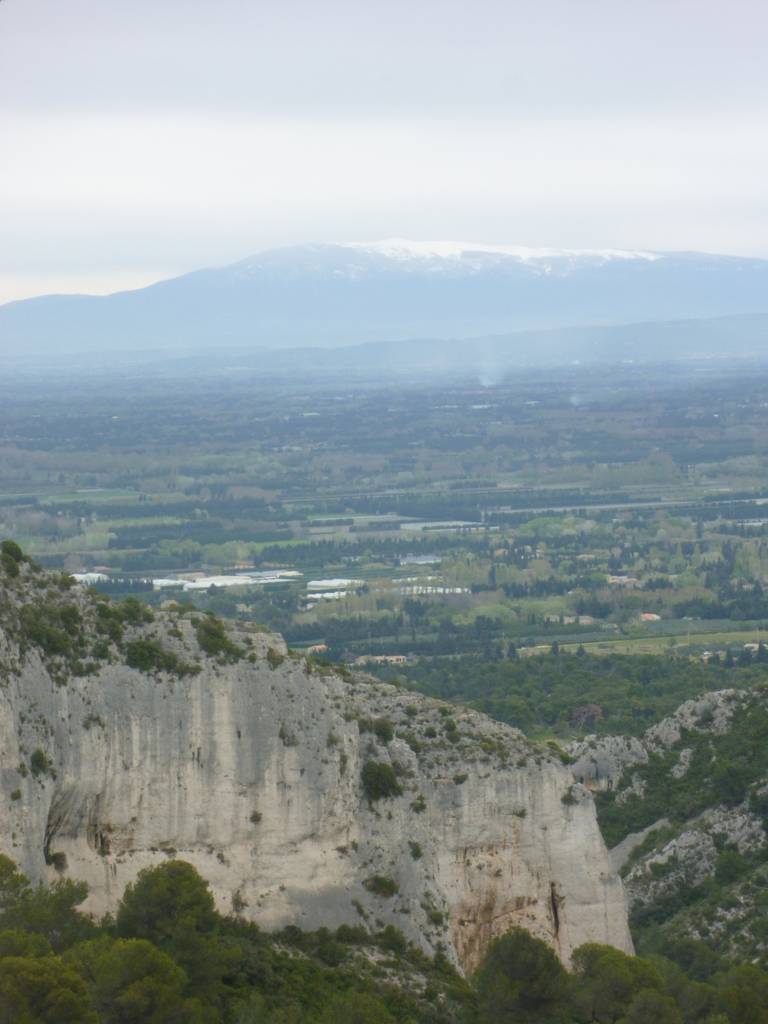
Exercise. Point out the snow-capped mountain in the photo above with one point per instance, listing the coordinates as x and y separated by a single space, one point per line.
479 254
402 255
348 293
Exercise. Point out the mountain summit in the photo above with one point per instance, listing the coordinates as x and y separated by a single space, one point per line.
348 293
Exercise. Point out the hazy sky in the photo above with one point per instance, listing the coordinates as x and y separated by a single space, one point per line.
142 138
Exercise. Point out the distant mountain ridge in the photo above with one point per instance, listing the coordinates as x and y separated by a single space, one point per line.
732 337
489 358
328 295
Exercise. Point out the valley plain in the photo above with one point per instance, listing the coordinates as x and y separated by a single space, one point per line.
410 515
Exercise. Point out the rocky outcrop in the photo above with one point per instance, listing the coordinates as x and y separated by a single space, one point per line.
248 763
697 781
601 761
688 856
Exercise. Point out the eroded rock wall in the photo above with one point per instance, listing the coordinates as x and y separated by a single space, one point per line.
252 772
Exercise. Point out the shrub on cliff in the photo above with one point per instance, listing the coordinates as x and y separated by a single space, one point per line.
382 885
55 629
150 656
40 764
383 728
379 781
134 612
11 556
213 639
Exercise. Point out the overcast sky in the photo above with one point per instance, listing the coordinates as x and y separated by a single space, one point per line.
143 138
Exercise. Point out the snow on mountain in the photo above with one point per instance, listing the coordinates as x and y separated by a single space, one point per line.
354 260
356 292
404 249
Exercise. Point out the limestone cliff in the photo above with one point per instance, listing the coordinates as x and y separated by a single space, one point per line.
220 748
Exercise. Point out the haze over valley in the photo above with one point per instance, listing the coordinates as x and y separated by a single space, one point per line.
383 612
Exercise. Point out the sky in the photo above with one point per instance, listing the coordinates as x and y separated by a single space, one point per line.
142 139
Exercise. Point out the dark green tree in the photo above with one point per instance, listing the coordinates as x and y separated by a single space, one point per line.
43 990
521 980
49 911
651 1007
743 995
356 1008
19 943
133 982
172 907
13 885
607 981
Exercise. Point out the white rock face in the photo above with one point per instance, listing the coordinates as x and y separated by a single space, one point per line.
711 712
252 773
600 761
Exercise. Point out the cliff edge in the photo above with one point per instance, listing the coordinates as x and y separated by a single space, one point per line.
303 794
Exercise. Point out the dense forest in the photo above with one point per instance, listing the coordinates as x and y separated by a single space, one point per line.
570 693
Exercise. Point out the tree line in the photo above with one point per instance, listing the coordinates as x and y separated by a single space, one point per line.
168 957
